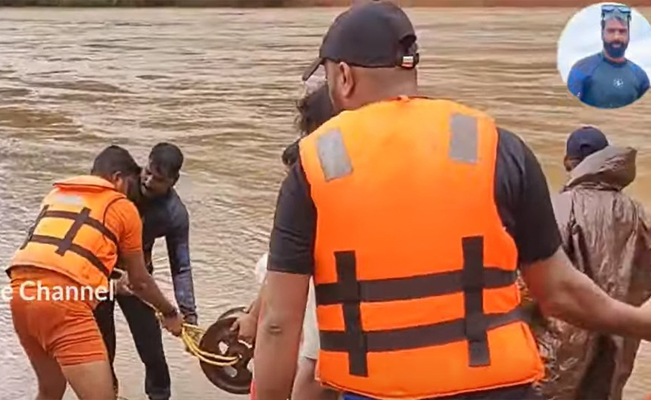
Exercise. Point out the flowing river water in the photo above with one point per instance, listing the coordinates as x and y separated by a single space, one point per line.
222 83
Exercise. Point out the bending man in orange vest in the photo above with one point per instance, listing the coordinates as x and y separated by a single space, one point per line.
413 216
62 270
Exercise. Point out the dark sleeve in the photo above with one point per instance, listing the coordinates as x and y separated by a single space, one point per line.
575 82
178 250
291 246
644 80
524 201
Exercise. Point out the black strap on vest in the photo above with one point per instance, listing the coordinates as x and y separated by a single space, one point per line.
471 280
355 339
66 243
473 286
30 234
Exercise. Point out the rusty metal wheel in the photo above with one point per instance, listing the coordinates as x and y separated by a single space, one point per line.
232 312
218 339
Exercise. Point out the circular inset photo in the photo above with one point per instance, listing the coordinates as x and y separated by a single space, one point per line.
604 55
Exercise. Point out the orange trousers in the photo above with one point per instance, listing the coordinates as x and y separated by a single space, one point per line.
64 330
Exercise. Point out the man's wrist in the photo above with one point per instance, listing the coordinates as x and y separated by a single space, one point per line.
171 313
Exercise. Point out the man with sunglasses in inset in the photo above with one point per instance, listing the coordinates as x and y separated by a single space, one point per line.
608 79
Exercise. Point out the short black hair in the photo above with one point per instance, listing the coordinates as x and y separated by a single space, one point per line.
114 159
290 155
314 110
167 159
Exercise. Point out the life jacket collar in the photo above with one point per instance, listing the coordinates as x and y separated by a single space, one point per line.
85 182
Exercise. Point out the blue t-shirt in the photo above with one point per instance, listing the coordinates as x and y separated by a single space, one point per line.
602 83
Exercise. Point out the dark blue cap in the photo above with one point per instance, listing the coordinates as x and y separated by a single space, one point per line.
585 141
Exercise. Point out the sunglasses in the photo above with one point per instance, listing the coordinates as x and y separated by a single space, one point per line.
610 8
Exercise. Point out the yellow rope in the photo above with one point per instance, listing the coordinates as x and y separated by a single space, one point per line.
188 336
191 336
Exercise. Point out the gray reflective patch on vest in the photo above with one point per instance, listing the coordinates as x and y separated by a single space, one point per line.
70 200
331 149
463 138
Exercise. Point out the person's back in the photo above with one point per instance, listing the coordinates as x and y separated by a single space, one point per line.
85 201
607 236
459 161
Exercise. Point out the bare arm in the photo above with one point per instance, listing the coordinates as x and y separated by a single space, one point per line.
279 334
142 284
567 294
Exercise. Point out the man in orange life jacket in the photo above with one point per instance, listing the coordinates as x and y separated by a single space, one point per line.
413 216
84 225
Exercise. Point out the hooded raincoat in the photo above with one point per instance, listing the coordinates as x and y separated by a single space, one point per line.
607 236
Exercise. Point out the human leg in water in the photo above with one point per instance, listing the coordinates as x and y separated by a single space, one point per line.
148 339
63 343
51 381
91 381
81 353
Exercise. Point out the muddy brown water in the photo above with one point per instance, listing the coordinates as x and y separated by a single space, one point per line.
221 83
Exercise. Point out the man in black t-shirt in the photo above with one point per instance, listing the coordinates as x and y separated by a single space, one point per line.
378 67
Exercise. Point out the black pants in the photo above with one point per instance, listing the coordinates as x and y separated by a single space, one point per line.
147 336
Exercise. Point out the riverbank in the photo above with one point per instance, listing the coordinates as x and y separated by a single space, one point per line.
299 3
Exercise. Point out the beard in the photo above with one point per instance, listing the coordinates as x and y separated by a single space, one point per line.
615 52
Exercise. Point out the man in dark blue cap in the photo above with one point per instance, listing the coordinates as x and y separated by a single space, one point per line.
606 235
413 216
581 143
608 79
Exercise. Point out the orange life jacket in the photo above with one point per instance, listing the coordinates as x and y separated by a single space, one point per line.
414 271
69 235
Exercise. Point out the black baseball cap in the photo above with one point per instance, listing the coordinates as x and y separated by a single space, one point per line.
376 34
585 141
